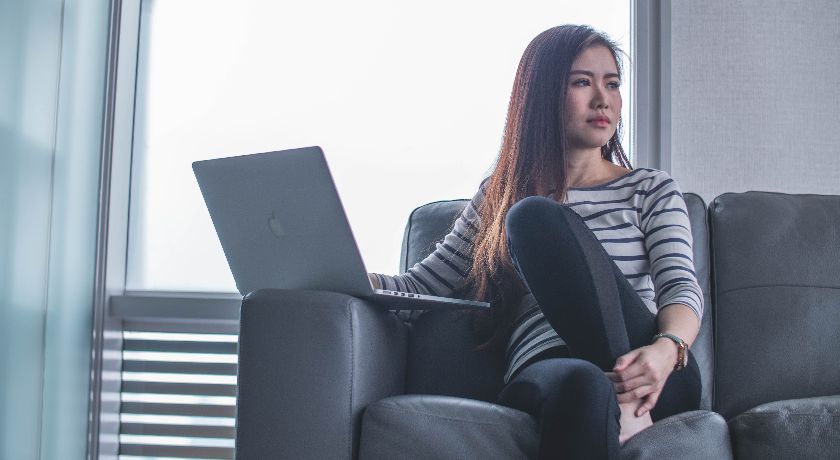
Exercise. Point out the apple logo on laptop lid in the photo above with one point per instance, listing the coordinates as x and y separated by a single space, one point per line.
276 226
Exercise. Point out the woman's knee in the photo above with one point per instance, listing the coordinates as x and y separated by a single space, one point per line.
567 375
585 377
527 211
536 209
527 217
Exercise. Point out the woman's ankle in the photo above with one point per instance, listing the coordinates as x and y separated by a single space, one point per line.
630 424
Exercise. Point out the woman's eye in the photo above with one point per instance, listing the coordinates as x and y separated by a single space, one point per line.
614 84
581 82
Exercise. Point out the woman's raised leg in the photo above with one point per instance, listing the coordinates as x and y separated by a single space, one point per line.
580 290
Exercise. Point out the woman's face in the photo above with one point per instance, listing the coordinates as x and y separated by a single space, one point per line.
593 101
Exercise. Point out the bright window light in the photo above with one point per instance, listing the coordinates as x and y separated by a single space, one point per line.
177 420
154 398
176 357
178 378
175 441
407 99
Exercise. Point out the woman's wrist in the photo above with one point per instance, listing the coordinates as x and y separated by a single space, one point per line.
668 348
677 346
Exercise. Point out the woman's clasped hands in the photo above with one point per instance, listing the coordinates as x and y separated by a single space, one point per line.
641 374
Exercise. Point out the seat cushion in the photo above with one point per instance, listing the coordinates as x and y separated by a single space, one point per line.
442 427
695 435
795 428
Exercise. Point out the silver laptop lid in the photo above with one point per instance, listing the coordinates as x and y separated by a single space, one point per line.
281 223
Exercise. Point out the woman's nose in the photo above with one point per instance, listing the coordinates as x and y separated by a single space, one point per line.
599 98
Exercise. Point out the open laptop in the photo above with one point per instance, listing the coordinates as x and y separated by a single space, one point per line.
282 225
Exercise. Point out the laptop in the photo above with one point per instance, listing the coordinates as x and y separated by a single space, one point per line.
281 225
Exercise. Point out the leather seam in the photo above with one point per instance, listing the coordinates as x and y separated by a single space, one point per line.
787 415
765 286
347 309
686 419
403 411
714 297
408 237
239 354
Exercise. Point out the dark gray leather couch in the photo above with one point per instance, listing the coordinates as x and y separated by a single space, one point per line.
328 376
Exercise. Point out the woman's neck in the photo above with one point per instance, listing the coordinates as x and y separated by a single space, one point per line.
587 168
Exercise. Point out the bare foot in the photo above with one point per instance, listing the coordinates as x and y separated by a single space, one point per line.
630 424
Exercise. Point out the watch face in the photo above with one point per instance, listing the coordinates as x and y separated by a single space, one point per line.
682 356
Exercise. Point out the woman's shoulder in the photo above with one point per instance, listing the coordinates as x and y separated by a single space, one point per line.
650 179
651 172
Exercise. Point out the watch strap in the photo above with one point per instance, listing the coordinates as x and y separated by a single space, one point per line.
682 349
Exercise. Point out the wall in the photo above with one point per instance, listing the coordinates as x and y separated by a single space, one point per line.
755 103
53 56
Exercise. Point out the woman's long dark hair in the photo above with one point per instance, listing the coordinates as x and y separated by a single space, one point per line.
532 161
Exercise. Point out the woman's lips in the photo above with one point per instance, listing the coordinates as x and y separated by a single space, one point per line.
600 122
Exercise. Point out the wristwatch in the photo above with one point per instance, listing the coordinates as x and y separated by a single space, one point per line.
682 349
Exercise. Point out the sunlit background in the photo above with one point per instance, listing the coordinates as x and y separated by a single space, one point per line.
407 99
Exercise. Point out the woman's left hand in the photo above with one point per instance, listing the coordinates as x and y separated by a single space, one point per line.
641 374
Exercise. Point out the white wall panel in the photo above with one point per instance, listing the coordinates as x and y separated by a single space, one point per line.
755 103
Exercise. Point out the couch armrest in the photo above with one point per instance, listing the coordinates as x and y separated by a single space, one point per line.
309 363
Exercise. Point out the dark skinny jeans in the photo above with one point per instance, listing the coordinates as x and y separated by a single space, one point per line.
588 301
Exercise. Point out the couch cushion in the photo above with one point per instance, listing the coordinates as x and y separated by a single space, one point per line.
440 427
442 359
798 428
776 259
426 226
699 435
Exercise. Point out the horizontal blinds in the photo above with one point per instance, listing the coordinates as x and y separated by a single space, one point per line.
178 396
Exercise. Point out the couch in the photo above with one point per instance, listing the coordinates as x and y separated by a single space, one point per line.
324 375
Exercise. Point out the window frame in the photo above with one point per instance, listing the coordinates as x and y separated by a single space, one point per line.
650 49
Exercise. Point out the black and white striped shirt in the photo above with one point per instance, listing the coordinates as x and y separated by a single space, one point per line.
640 219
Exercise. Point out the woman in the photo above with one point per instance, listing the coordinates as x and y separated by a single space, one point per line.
587 263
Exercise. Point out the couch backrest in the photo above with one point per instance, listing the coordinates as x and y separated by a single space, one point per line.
776 266
442 359
426 226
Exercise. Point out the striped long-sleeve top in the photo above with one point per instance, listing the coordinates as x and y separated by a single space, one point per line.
640 219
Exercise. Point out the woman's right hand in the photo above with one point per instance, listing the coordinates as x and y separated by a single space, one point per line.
641 374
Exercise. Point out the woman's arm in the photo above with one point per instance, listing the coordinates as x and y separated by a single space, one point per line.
679 320
641 373
445 270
